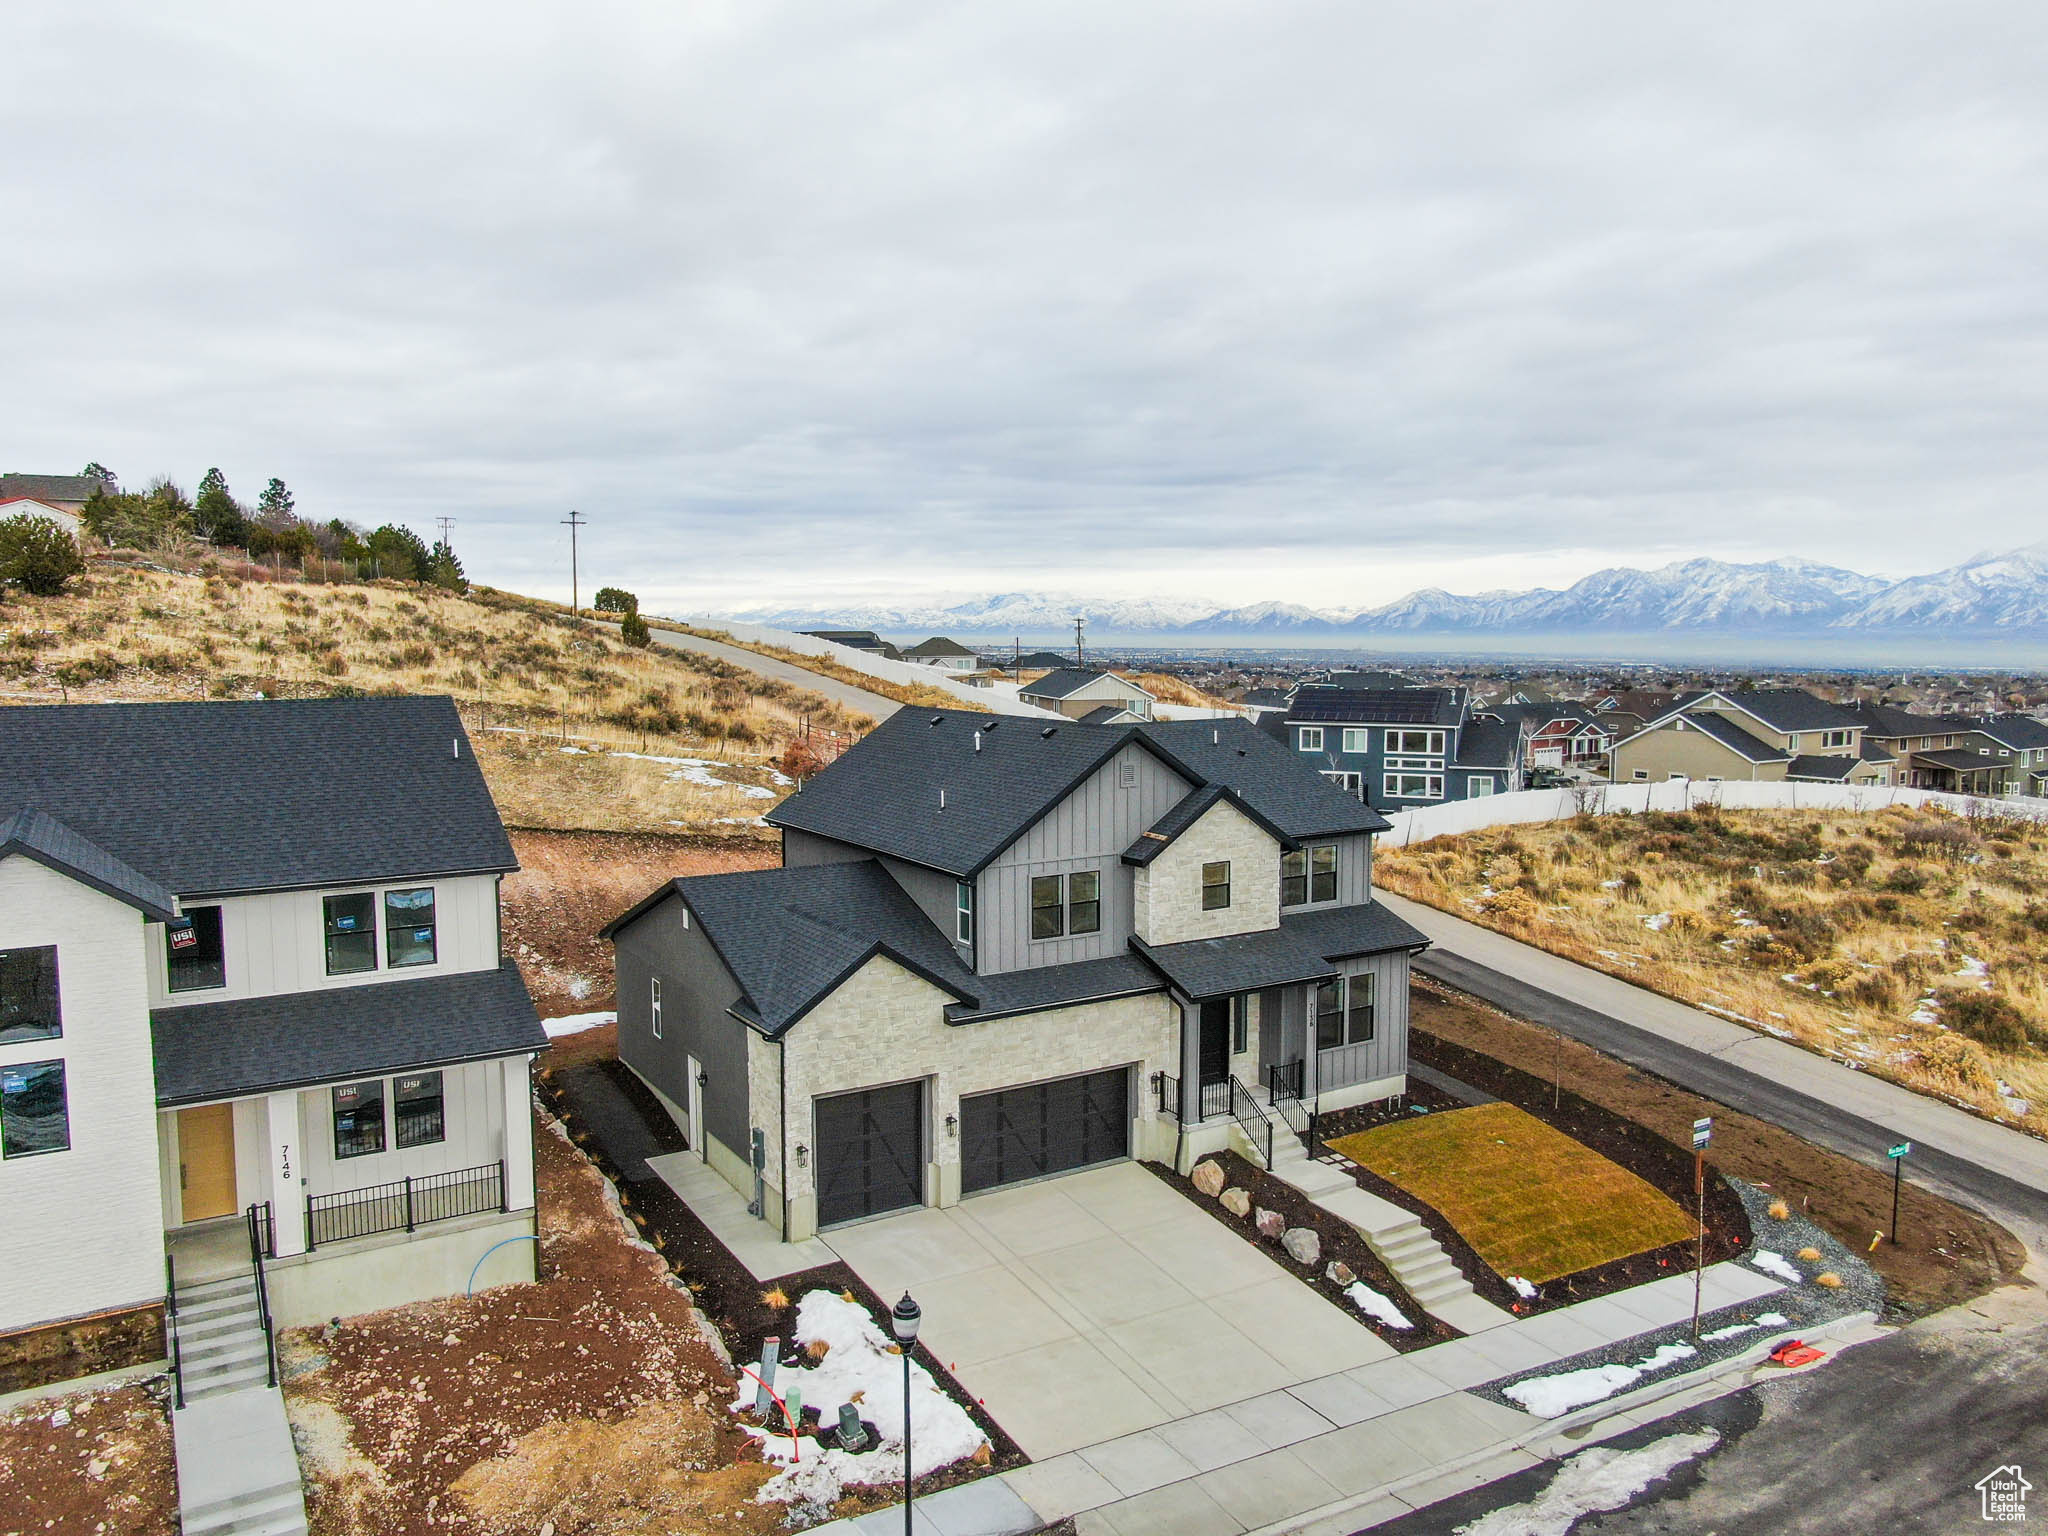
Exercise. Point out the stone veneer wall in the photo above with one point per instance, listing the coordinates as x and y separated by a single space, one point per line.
1167 893
885 1025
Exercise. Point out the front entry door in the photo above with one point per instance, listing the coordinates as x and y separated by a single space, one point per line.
1215 1044
206 1161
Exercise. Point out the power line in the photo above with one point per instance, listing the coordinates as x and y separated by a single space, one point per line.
574 521
445 524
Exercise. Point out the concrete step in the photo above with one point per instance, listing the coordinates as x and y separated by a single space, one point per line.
199 1291
267 1512
204 1355
229 1378
213 1311
1435 1295
192 1329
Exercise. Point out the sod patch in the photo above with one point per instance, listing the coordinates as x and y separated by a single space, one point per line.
1530 1200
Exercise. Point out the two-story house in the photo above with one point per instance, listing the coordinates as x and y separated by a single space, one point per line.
1766 735
1100 698
944 654
252 977
999 949
1558 735
1396 748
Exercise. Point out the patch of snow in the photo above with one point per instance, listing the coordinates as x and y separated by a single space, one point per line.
1374 1305
1591 1483
1776 1264
861 1367
1610 885
1977 971
1521 1287
573 751
576 1023
1657 922
1549 1396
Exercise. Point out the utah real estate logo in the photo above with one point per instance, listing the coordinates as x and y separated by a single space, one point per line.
2005 1495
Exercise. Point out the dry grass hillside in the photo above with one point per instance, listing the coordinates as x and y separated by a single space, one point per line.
1906 943
574 728
1168 689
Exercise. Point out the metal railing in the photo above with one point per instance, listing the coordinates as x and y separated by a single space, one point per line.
262 1242
171 1327
404 1205
1167 1086
1283 1086
1256 1124
1212 1100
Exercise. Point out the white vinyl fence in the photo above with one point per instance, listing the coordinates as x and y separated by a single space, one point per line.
1454 816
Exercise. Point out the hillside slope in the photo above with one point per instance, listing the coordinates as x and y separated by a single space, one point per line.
573 727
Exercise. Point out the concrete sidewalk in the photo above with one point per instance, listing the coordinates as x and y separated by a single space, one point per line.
2002 1170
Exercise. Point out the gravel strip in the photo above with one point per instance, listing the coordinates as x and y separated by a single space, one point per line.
1805 1307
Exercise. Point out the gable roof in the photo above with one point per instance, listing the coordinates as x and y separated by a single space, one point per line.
31 506
1729 734
55 846
1832 770
1069 680
1890 720
1488 743
1789 709
1050 661
791 935
1274 781
1378 706
938 645
1158 837
2021 732
48 487
1108 714
222 799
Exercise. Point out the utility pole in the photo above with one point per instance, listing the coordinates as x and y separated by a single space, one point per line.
1080 659
572 522
445 523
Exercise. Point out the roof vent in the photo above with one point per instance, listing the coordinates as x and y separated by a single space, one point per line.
1048 730
977 741
938 720
455 746
942 799
1216 738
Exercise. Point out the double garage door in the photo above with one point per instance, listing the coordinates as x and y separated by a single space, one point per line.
870 1145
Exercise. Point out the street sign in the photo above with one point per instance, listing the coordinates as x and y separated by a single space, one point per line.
1702 1133
1900 1150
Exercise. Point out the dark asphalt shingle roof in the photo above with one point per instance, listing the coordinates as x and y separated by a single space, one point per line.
1057 685
49 842
2022 732
1834 770
789 936
1056 986
1107 714
1736 739
218 1050
1049 661
1963 759
1279 784
1488 744
1242 962
1791 709
48 487
1340 933
1889 720
222 798
938 645
1188 810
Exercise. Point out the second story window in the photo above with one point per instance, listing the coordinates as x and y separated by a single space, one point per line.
1084 901
1066 904
654 1005
29 1006
351 922
1429 743
1216 885
1834 738
194 955
409 927
1357 739
963 912
1308 875
1048 907
1311 738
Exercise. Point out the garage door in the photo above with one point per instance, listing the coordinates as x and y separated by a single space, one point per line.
1026 1133
870 1152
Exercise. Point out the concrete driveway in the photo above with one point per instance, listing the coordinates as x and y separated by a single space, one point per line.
1087 1307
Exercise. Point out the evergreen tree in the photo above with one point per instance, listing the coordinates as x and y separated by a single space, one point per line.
216 515
400 554
616 600
37 555
634 631
275 505
445 570
98 471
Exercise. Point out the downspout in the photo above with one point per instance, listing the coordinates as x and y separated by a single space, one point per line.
782 1156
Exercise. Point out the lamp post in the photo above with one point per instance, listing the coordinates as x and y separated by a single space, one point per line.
904 1320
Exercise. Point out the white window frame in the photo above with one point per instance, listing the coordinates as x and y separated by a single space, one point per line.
654 1004
1310 738
1641 773
1413 764
963 911
1350 783
1432 786
1478 785
1834 738
1398 741
1357 739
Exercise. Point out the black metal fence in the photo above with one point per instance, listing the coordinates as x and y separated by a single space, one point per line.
1212 1099
404 1205
1251 1119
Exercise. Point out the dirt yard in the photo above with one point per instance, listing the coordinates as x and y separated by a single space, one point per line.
588 1403
88 1464
570 884
1948 1254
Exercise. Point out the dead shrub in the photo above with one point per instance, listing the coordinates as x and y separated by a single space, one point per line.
1960 1061
1986 1017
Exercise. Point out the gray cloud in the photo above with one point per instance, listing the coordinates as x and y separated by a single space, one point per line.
1315 301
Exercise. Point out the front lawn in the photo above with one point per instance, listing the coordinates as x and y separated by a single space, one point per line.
1530 1200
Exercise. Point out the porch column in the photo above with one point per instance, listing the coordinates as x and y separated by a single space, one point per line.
1311 1054
1190 1062
286 1178
518 1133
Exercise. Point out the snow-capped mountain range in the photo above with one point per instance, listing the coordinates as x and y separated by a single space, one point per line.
1991 594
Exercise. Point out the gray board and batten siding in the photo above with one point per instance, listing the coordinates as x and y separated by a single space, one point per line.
934 891
696 992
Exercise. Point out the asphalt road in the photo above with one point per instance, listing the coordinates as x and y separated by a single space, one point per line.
1891 1437
767 666
1972 1161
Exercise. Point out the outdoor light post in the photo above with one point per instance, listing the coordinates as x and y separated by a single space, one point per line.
904 1321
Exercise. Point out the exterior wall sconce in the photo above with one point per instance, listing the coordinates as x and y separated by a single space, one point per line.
803 1155
703 1079
952 1125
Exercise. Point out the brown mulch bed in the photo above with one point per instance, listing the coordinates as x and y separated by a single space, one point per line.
104 1467
745 1311
1949 1254
1638 1149
570 884
1364 1117
1339 1239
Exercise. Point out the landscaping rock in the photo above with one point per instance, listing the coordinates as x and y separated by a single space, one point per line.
1208 1178
1270 1223
1235 1201
1302 1245
1339 1273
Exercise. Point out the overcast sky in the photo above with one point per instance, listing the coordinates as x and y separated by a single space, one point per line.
1318 302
